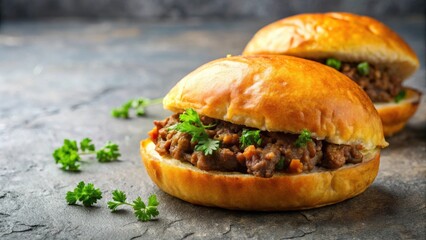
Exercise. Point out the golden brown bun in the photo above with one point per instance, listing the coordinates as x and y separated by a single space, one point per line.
283 94
395 115
347 37
247 192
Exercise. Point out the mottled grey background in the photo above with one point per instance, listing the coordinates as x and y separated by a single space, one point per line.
61 75
179 9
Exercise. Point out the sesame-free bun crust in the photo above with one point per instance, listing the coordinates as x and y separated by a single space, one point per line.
247 192
395 115
282 94
347 37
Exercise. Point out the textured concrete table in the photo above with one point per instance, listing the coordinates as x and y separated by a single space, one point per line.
61 79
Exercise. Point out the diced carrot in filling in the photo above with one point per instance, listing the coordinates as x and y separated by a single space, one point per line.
249 151
295 166
153 134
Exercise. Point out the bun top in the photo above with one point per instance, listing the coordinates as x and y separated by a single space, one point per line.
347 37
283 94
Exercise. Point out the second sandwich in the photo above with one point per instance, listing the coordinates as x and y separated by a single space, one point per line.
364 49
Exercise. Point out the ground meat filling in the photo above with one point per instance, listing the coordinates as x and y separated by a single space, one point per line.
276 153
379 84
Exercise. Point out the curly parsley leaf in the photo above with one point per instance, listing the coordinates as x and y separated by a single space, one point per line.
87 145
108 153
69 155
123 111
280 164
250 137
87 194
119 198
137 104
113 205
334 63
208 146
401 95
363 68
142 211
303 139
146 212
197 133
190 123
191 116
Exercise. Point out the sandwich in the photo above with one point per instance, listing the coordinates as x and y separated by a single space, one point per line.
360 47
265 133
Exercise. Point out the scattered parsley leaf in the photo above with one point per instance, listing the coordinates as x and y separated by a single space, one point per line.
108 153
303 139
87 145
71 198
87 194
334 63
363 68
119 198
191 124
250 137
138 204
113 205
69 155
401 95
152 200
146 213
142 212
123 111
137 104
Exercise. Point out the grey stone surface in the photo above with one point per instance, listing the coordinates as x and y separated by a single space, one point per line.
60 80
182 9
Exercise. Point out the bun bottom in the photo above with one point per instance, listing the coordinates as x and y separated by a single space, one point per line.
247 192
395 115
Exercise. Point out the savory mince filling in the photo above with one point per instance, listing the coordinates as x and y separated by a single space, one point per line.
378 83
252 151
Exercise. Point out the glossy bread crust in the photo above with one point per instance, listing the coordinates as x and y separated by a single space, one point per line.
281 93
395 115
247 192
345 36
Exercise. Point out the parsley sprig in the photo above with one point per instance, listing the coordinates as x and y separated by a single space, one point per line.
303 139
144 212
190 123
250 137
87 194
137 104
69 155
109 152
